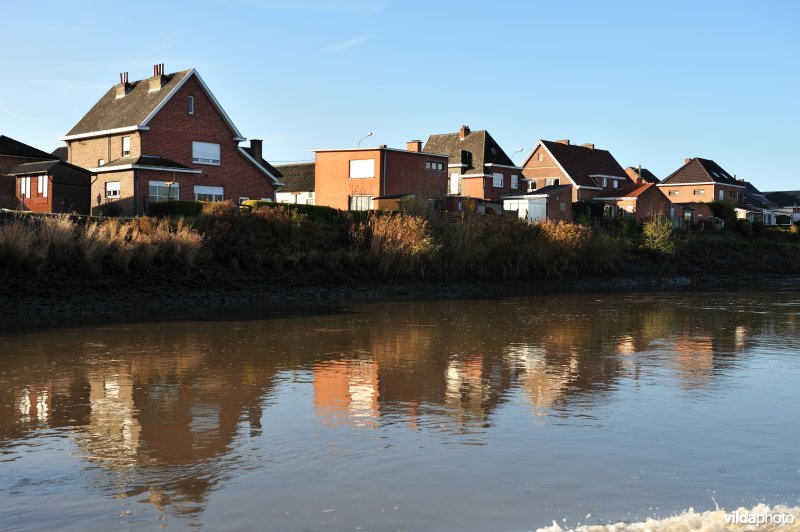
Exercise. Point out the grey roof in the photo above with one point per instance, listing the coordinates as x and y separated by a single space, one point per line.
297 177
15 148
39 167
479 149
133 109
146 160
699 170
784 198
62 152
646 175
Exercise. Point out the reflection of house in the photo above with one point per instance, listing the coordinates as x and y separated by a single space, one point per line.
478 169
694 359
544 384
298 183
640 200
353 178
467 394
166 137
52 186
701 181
346 392
590 171
14 153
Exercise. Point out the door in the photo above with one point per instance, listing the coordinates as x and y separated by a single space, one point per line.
537 210
454 184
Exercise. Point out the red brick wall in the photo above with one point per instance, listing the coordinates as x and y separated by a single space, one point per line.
539 171
173 130
406 173
8 185
554 202
710 193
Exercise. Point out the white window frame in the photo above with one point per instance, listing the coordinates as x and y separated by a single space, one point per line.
360 202
498 180
674 193
113 189
551 181
173 191
605 182
514 181
126 146
206 193
362 168
101 162
206 153
42 185
190 105
25 187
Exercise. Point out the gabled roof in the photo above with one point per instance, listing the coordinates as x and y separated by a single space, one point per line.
756 198
699 170
135 110
645 174
15 148
480 144
297 177
631 190
580 162
41 167
784 198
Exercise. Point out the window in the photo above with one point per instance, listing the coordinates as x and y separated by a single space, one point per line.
203 193
190 105
605 182
42 189
615 183
362 168
514 181
25 187
531 185
674 192
161 191
562 207
438 167
699 192
550 181
112 189
126 146
205 153
721 195
497 180
541 157
455 183
733 194
360 203
101 162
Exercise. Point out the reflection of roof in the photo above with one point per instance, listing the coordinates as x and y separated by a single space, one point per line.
580 162
481 148
43 167
699 170
297 177
15 148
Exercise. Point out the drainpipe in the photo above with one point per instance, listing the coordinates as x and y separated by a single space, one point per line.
383 163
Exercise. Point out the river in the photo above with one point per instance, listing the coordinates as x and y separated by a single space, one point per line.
486 414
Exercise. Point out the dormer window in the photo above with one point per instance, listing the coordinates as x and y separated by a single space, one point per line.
190 105
126 146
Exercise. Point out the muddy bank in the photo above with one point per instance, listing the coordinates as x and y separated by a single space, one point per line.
59 299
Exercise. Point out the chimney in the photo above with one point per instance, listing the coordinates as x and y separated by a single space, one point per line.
414 145
564 141
639 181
158 79
464 132
590 146
124 87
255 149
382 146
687 160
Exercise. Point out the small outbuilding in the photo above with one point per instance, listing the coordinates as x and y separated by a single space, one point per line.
52 187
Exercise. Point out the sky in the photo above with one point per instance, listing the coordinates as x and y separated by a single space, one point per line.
653 82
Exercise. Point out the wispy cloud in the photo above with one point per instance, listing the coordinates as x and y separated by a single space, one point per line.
344 45
366 7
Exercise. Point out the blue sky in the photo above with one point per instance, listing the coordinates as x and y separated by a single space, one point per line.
653 82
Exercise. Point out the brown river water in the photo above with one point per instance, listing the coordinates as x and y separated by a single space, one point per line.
489 414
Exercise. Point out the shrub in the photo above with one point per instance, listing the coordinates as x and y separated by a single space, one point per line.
399 244
312 212
659 235
188 209
745 227
723 210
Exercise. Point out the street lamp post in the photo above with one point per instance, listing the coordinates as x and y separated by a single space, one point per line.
362 138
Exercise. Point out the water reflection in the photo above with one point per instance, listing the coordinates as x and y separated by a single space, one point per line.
164 411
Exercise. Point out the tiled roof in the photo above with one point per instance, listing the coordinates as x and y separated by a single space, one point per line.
699 170
15 148
132 109
544 191
297 177
146 160
646 175
483 149
580 162
784 198
631 190
61 152
43 166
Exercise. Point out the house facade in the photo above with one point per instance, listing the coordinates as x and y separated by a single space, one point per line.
298 184
52 186
787 210
352 179
12 154
551 203
702 181
641 200
589 171
477 167
164 138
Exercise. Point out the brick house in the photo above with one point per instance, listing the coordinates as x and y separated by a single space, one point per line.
12 154
552 203
166 137
702 181
298 183
591 172
641 200
477 166
354 178
52 186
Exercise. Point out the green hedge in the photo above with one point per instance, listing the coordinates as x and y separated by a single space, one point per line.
315 213
187 209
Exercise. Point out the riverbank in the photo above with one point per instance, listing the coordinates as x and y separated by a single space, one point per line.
58 300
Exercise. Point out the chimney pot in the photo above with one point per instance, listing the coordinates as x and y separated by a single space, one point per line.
414 145
563 141
687 160
639 181
462 134
255 149
124 87
158 80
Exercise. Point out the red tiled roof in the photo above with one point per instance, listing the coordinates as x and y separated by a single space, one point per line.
629 191
581 162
